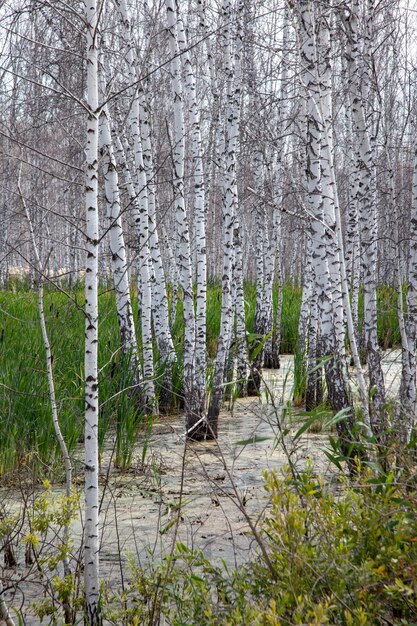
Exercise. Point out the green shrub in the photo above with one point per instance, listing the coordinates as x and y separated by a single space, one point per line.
347 557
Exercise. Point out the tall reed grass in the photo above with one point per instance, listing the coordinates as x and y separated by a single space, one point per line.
27 439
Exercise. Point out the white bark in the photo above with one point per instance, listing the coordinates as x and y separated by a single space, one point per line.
241 344
352 253
334 253
157 281
200 225
274 260
184 255
406 414
314 201
263 303
306 309
91 530
140 214
137 195
117 243
4 611
338 235
319 157
160 309
230 198
367 204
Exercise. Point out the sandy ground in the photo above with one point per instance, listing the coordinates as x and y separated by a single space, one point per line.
201 495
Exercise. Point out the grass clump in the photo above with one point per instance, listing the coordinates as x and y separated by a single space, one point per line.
387 313
27 437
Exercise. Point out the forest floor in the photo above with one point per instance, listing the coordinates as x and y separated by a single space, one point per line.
201 495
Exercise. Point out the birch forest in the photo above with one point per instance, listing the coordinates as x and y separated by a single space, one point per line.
208 312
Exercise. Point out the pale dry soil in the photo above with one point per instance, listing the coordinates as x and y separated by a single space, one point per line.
201 494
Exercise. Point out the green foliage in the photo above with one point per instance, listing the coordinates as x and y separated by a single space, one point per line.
300 377
26 429
388 330
119 411
291 304
387 302
27 436
214 299
48 516
354 553
347 557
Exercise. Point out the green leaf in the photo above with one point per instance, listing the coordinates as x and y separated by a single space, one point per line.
166 528
308 422
320 364
335 419
260 346
333 459
254 439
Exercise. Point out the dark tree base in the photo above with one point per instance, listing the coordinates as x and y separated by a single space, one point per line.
272 362
254 383
205 431
166 402
9 556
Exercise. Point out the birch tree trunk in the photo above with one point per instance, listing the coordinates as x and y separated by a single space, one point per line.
140 210
302 347
367 204
137 193
319 159
352 230
200 226
154 276
160 310
261 308
272 346
334 252
117 245
140 207
320 315
406 409
91 530
241 343
230 197
196 427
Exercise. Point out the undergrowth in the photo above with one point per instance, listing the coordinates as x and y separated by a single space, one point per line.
347 557
342 554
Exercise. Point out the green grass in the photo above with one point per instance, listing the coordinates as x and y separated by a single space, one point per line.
27 438
291 304
388 330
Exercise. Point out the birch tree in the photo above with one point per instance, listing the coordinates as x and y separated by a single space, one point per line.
230 198
160 312
117 244
200 225
138 191
196 426
367 203
322 236
406 408
91 529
